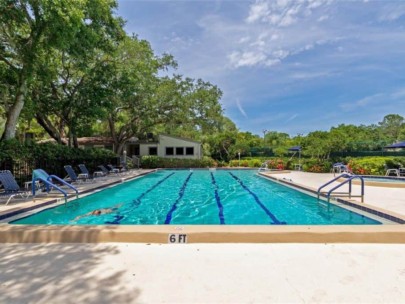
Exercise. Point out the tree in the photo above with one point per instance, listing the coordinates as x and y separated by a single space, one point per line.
221 144
317 144
30 30
74 99
133 90
391 126
278 142
142 101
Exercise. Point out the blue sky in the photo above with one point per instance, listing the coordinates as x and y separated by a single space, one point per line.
288 66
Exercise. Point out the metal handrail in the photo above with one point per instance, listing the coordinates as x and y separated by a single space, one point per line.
348 180
136 161
49 184
263 167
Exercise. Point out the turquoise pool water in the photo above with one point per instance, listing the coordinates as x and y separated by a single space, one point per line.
384 179
199 197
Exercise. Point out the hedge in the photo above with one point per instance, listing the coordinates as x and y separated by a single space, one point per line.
153 162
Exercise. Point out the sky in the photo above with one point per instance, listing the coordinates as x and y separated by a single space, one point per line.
286 66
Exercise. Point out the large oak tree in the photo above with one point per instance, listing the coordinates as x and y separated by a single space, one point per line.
30 31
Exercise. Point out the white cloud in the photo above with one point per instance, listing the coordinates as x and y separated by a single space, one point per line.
399 94
380 99
311 75
283 12
239 59
271 33
392 12
241 110
361 103
258 11
292 118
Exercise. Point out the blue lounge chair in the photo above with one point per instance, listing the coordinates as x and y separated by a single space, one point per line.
73 177
113 169
10 186
86 172
340 168
106 171
125 168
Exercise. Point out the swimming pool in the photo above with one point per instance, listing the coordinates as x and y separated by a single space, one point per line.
381 181
231 197
384 179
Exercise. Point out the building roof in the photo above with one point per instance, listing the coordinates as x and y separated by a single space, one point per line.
396 145
181 138
103 140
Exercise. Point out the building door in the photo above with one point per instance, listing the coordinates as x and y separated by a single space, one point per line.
133 149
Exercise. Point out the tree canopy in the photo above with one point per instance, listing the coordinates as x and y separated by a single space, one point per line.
68 69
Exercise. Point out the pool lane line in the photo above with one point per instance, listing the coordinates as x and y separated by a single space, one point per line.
218 199
116 221
174 206
268 212
136 202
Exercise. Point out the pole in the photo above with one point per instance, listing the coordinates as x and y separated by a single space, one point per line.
299 160
264 140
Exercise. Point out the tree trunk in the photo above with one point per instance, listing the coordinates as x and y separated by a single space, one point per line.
75 142
120 148
14 112
49 128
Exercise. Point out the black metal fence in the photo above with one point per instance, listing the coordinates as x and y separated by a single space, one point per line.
367 153
260 152
22 169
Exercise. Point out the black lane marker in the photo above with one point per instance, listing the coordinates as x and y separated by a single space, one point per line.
174 207
116 221
217 198
268 212
136 202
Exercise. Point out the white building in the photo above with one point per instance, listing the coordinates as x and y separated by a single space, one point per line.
162 145
166 146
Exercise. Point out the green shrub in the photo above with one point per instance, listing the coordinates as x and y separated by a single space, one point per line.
246 162
234 163
276 163
13 149
316 165
153 162
255 163
150 161
221 163
370 165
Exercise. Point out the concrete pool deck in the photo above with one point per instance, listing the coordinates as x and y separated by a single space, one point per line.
385 198
202 273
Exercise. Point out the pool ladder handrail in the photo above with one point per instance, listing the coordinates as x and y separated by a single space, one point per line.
349 179
263 167
49 184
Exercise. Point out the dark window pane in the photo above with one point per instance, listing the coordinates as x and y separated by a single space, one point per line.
190 151
179 151
152 150
169 151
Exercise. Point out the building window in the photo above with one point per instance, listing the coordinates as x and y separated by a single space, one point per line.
152 150
179 151
169 151
189 150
